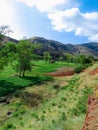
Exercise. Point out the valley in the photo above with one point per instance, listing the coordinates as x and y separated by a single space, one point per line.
43 103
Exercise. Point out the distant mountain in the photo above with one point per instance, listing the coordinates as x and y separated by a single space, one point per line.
58 49
5 38
92 45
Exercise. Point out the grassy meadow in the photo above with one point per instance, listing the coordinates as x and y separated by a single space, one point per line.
39 102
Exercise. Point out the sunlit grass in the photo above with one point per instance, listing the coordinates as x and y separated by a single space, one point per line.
43 106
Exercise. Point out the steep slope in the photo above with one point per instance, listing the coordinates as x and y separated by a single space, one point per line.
91 120
91 45
58 49
82 49
5 38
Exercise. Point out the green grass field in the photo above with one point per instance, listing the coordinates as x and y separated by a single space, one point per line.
10 83
38 102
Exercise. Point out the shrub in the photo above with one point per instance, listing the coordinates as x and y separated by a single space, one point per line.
79 69
63 116
16 114
82 67
9 126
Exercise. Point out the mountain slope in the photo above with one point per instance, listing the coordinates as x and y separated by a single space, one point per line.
58 49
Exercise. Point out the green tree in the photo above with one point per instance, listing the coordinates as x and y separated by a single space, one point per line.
85 59
24 57
47 57
61 58
69 58
3 57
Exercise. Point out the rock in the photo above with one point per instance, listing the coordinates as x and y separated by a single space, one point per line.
9 113
3 100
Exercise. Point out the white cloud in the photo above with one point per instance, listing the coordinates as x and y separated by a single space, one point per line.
66 16
43 5
72 20
49 6
8 16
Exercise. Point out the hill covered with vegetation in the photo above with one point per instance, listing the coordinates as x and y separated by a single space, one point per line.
59 49
38 102
44 91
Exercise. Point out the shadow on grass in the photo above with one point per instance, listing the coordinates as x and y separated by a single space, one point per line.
33 100
11 84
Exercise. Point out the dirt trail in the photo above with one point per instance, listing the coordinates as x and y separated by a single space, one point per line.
94 72
91 120
63 71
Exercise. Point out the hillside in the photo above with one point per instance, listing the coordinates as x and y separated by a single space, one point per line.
58 49
5 38
58 103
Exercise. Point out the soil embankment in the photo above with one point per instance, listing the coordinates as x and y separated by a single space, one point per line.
94 72
91 120
63 71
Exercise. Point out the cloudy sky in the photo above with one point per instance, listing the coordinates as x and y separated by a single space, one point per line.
67 21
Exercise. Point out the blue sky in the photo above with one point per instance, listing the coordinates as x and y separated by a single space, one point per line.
67 21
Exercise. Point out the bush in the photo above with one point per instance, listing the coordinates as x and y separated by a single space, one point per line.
9 126
82 67
78 69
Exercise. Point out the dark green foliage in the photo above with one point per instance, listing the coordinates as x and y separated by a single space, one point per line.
24 53
64 116
9 126
16 114
11 84
79 69
85 62
85 59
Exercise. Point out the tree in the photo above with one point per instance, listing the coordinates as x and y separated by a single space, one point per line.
3 57
4 29
24 55
47 57
61 58
69 57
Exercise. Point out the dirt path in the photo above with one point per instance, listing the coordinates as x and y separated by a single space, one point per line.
94 72
91 120
63 71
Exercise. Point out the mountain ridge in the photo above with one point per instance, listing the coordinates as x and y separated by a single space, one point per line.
57 49
77 49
